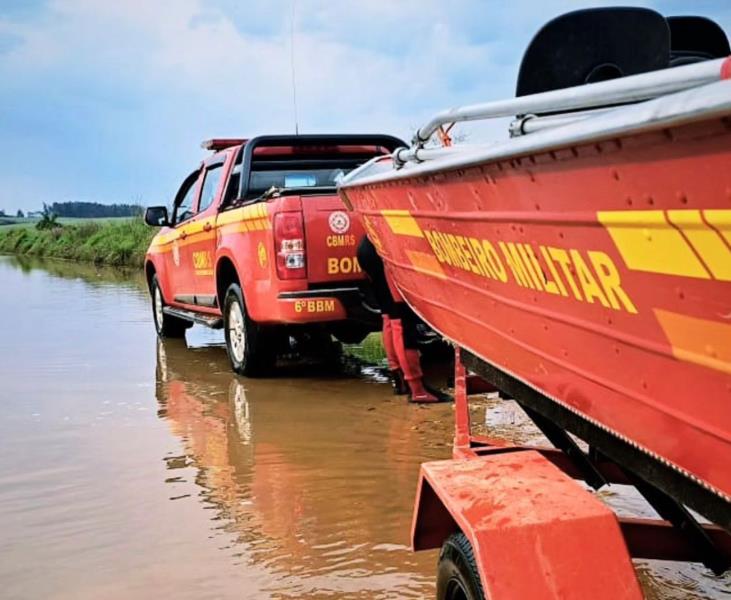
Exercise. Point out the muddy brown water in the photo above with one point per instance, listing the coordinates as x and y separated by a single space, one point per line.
137 469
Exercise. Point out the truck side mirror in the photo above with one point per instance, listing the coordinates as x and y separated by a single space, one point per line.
157 216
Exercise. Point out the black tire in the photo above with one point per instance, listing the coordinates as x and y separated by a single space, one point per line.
457 575
249 351
166 325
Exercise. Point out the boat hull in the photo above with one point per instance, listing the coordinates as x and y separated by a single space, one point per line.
598 273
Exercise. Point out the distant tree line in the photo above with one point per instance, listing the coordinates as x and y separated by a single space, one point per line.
95 210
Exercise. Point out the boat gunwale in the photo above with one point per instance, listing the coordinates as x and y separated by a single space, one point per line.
707 102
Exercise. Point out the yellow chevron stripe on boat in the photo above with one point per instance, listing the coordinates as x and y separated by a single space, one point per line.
402 223
700 341
426 263
648 242
714 252
721 220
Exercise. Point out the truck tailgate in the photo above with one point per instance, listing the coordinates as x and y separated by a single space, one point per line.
332 235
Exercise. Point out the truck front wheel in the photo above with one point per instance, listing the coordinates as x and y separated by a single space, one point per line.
166 325
246 342
457 574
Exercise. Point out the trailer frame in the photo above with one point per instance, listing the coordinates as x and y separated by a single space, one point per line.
445 506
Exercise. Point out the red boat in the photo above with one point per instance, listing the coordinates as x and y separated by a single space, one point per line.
584 268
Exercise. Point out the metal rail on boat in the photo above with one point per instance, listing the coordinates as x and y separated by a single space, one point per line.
584 98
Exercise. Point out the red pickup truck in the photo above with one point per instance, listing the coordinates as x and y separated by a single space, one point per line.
260 244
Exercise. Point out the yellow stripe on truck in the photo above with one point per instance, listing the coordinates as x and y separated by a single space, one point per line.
402 223
245 213
648 242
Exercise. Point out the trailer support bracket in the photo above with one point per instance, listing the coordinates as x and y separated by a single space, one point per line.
534 531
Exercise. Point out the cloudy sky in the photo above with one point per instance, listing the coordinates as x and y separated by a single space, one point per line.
108 100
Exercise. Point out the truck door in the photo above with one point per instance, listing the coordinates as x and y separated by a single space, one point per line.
203 243
178 268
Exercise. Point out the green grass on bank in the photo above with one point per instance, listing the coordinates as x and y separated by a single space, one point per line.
15 222
118 242
370 350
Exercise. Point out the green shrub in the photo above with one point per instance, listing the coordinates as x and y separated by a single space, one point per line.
370 350
48 220
121 243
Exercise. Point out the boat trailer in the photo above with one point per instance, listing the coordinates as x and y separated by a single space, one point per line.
534 529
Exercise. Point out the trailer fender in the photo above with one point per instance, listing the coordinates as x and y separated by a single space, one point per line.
534 531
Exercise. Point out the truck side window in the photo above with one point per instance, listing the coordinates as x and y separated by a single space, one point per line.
232 189
210 186
183 209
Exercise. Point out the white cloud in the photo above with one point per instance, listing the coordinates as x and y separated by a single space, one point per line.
139 84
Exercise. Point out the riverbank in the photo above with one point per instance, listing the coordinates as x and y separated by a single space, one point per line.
120 243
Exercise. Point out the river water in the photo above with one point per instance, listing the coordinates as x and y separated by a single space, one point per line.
131 468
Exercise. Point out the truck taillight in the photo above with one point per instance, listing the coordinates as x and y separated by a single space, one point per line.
289 243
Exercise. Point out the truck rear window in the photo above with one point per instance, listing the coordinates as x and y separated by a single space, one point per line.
305 165
261 181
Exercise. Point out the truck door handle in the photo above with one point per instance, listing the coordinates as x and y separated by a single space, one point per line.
207 227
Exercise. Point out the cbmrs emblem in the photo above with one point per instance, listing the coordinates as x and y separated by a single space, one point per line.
339 222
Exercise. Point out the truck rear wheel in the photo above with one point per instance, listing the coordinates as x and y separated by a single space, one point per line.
166 325
457 574
248 349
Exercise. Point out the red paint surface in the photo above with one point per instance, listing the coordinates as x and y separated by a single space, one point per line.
330 256
535 532
612 366
726 69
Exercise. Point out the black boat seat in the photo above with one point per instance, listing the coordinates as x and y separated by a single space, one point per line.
598 44
586 46
695 39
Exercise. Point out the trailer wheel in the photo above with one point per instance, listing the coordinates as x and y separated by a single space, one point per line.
457 575
249 351
166 325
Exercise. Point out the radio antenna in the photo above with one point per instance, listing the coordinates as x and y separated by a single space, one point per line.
291 62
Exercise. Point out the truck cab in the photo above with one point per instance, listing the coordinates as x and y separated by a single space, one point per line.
259 243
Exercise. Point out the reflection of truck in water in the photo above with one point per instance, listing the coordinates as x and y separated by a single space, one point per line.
277 469
260 244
